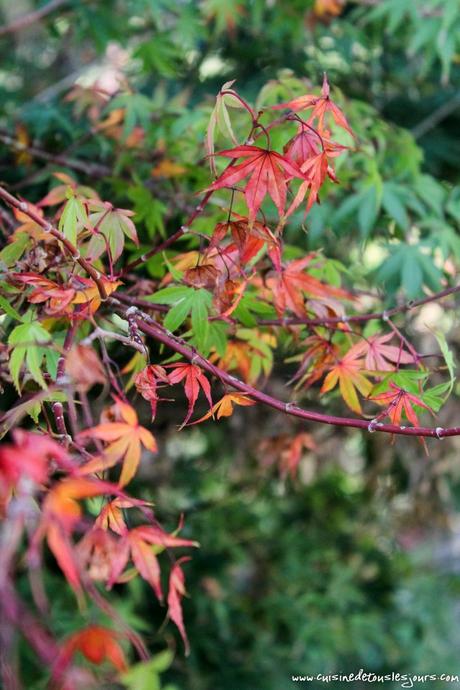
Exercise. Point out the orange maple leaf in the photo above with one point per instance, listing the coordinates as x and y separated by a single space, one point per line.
125 439
88 292
31 227
347 373
111 515
61 514
224 407
319 354
96 643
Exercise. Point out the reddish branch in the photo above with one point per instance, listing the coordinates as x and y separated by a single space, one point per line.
148 326
32 18
360 318
48 227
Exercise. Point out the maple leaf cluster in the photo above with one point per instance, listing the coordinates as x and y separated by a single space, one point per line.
36 469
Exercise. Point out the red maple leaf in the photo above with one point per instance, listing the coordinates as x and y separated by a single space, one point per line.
58 297
146 382
312 153
315 171
321 106
30 456
290 284
175 594
193 379
397 400
138 543
303 146
248 238
268 170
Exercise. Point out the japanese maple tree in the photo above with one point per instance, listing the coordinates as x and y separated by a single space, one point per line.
228 300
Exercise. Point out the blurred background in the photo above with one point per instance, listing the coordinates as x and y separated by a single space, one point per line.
355 562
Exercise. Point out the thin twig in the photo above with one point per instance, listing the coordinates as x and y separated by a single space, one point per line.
85 167
320 321
32 18
436 116
172 239
101 333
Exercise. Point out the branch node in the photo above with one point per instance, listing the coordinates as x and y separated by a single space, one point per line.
23 206
289 406
371 426
438 431
184 229
47 227
195 358
132 311
385 316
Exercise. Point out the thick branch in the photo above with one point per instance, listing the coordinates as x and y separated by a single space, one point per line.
157 332
48 227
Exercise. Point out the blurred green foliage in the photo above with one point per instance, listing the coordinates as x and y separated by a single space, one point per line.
292 579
